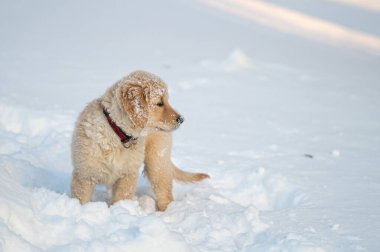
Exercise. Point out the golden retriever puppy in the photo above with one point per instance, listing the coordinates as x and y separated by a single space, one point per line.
129 125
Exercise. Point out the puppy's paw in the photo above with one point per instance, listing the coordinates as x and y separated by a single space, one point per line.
163 204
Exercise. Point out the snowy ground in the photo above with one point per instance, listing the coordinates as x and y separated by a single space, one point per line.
286 122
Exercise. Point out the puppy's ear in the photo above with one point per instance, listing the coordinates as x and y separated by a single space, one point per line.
135 104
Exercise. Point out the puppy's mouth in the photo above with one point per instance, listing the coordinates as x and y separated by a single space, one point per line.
164 130
167 130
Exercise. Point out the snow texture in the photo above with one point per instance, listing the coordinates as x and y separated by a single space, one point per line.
285 121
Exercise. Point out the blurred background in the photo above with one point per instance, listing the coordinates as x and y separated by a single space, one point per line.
85 45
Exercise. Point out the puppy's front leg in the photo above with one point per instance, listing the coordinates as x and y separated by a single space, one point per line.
162 184
158 167
124 187
82 189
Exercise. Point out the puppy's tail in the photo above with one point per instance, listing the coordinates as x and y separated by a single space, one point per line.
188 177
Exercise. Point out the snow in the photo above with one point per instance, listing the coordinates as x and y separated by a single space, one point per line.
286 125
237 61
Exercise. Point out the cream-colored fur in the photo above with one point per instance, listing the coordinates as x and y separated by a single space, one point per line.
138 104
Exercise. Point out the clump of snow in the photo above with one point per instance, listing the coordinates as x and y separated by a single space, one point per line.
335 153
236 61
147 204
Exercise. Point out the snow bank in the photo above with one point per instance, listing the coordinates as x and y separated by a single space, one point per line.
37 214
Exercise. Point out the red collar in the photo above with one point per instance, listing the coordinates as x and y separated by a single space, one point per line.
124 138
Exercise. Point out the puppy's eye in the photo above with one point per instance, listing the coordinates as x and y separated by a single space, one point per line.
160 104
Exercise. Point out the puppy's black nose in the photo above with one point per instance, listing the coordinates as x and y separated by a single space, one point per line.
180 119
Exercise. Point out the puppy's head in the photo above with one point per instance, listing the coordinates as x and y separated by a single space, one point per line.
144 98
